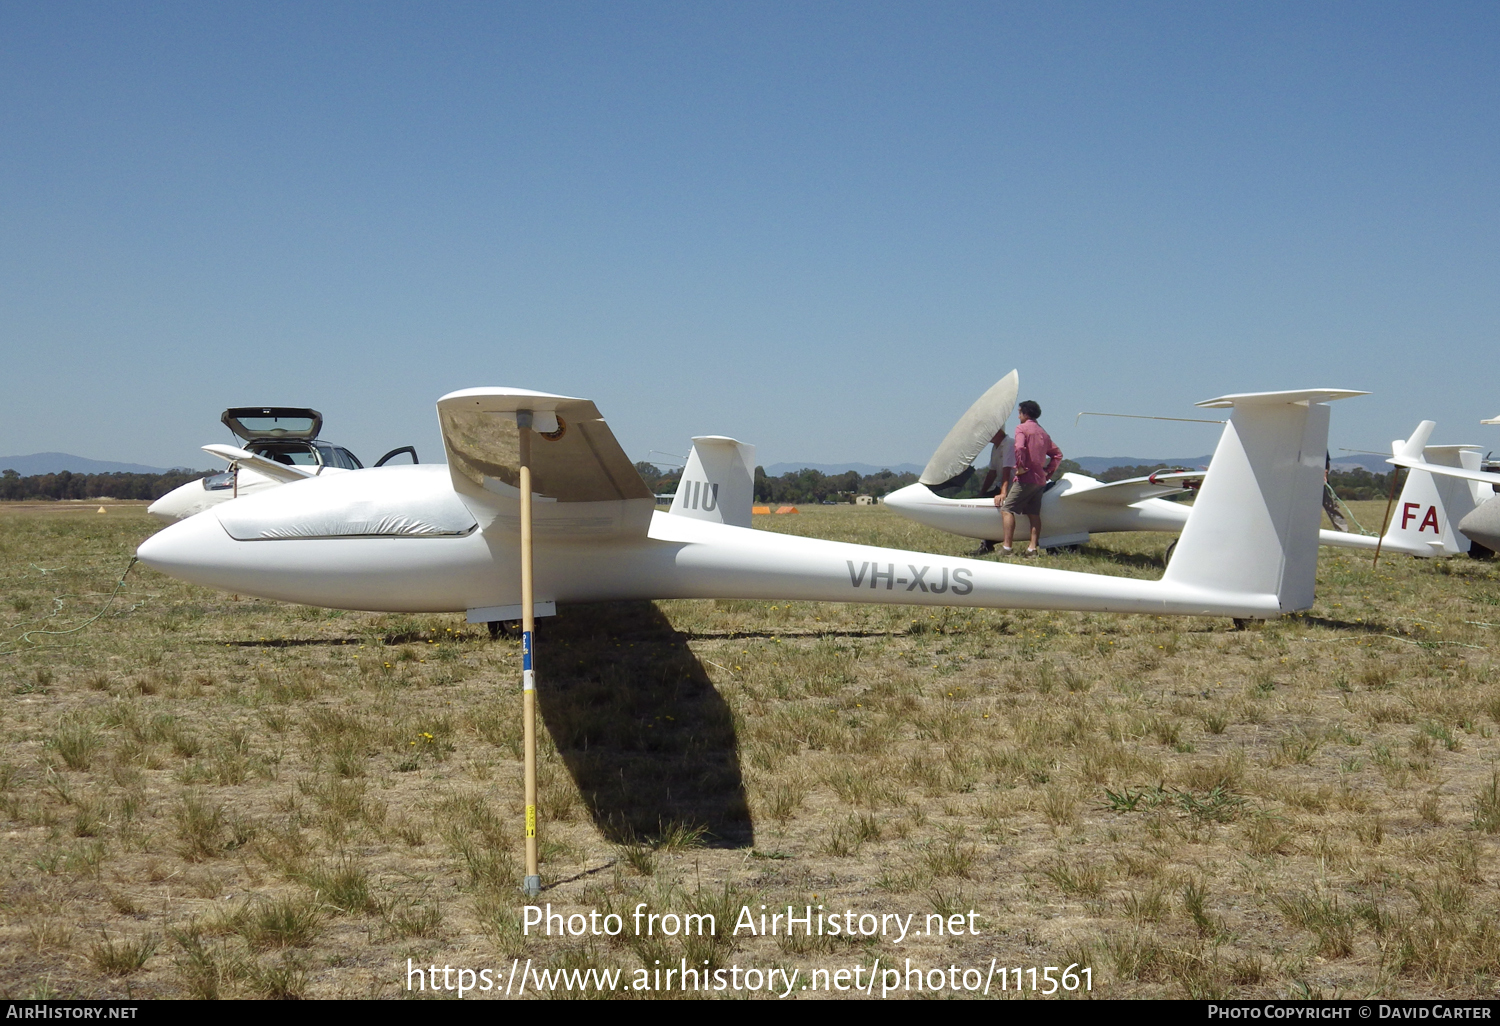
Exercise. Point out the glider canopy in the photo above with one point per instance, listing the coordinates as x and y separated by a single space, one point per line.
972 432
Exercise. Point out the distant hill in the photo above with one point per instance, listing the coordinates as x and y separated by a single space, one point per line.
57 462
863 469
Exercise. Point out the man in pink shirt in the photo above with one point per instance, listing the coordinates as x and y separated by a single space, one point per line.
1036 458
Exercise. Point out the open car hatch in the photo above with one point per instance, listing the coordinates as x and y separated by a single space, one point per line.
254 423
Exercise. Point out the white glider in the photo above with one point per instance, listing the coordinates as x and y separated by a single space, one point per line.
1075 507
281 446
1453 490
433 538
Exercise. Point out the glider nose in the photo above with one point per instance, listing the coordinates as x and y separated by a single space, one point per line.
182 501
163 509
183 547
1482 524
161 551
905 498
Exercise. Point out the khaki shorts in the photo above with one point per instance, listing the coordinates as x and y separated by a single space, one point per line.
1025 499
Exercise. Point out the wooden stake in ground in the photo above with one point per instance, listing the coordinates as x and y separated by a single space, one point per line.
532 884
1384 523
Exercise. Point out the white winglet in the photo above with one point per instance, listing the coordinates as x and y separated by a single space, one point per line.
1412 447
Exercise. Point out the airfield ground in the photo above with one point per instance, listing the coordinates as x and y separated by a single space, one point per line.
206 795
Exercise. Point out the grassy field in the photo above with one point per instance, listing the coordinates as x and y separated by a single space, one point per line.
205 795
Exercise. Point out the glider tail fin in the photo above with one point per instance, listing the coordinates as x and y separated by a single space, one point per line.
1423 518
1254 526
718 483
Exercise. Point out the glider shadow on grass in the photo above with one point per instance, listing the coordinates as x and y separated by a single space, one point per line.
649 742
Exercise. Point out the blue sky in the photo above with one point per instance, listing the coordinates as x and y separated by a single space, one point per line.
822 228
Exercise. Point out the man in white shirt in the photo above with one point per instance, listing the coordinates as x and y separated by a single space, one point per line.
1001 474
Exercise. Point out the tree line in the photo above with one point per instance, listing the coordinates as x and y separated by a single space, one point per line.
806 486
68 485
1354 485
814 486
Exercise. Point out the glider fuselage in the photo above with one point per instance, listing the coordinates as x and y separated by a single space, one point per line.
1068 517
447 538
677 557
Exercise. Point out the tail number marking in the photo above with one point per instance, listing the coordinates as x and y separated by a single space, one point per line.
1429 519
961 582
700 495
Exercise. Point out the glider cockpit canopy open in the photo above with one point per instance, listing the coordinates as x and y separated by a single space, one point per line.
955 455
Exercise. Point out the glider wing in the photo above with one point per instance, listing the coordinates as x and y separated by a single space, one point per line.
1441 471
1412 454
283 472
575 459
1134 489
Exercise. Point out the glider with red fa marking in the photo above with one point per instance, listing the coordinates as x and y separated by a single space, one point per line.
1453 490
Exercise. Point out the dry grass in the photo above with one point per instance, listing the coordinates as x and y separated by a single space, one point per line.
210 796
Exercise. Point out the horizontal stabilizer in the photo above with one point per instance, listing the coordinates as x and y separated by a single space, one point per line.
1243 400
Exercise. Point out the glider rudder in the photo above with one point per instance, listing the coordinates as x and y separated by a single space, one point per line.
718 482
1254 526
